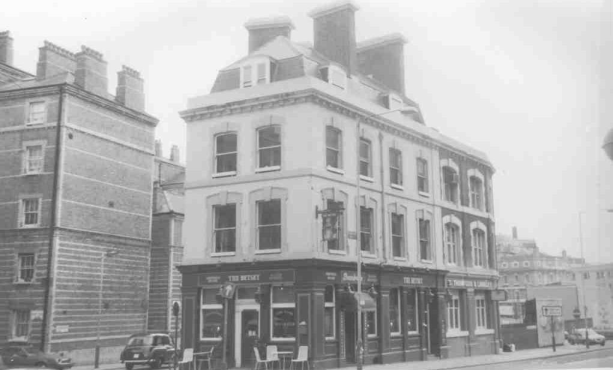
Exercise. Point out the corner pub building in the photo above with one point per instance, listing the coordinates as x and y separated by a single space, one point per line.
274 144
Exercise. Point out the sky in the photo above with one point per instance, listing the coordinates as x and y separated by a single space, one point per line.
522 80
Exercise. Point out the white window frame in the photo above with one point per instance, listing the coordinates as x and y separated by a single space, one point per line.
398 168
217 155
399 309
339 150
216 230
29 110
280 305
425 176
366 160
459 249
208 306
481 312
261 168
280 225
474 193
426 216
22 258
371 233
22 211
254 65
15 323
376 315
27 159
416 318
331 305
454 322
478 225
402 235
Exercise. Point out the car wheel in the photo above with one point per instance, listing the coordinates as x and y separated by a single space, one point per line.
129 366
602 344
155 363
41 364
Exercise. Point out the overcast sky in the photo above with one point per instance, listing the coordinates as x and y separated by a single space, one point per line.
522 80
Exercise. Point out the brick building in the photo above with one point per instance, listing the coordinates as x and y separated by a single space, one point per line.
276 141
76 180
167 243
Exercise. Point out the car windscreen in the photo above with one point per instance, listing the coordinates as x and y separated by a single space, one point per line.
31 350
136 341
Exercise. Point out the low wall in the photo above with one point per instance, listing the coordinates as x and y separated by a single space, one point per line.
523 336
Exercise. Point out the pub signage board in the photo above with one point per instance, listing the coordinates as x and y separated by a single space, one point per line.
352 277
247 277
469 283
427 280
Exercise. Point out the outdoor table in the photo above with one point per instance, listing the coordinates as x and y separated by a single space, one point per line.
283 358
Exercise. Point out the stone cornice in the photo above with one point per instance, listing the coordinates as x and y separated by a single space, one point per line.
330 102
35 91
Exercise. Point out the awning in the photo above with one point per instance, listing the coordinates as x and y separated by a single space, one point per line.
366 302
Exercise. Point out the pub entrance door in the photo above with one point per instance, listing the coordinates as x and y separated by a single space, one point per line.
350 336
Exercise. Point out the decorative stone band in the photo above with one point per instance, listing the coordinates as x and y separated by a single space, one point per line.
58 49
91 52
130 72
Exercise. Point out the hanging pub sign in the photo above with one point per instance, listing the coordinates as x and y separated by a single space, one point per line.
330 219
247 277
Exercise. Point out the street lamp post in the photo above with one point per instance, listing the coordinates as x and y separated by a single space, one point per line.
359 342
109 253
587 339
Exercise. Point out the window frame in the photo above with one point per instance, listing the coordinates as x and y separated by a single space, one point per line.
15 323
279 225
334 71
481 228
481 322
450 188
452 245
368 160
454 313
26 159
422 164
401 236
415 307
216 230
23 212
21 256
211 307
217 155
476 195
253 65
397 153
370 232
338 150
29 112
331 305
397 298
279 147
285 305
420 239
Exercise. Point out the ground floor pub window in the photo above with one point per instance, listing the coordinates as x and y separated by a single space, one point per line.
329 312
395 311
453 312
211 315
283 312
412 311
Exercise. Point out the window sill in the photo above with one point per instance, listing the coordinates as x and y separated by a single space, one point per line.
335 170
268 251
335 251
412 333
223 174
484 331
424 194
397 187
330 339
456 334
19 282
367 178
28 226
368 255
429 262
223 254
211 339
371 336
32 173
282 339
396 335
35 123
400 259
267 169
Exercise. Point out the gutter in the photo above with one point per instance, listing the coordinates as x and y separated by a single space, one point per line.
52 224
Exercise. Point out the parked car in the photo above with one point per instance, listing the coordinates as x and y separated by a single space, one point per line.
578 336
154 350
5 367
24 355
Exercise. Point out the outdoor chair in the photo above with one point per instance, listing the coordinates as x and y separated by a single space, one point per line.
302 358
205 357
259 361
188 358
272 356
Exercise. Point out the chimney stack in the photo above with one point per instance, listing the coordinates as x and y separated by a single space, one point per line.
334 33
130 90
158 148
174 154
263 30
54 60
91 72
383 58
6 48
515 232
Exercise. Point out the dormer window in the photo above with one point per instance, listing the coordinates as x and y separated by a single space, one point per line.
255 72
335 76
393 102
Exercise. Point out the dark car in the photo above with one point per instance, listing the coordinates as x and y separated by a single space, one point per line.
19 355
578 336
5 367
154 350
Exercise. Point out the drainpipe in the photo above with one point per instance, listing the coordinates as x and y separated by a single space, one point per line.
52 224
383 205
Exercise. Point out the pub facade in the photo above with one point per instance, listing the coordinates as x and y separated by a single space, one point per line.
274 157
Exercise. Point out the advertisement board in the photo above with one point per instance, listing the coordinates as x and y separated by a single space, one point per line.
545 308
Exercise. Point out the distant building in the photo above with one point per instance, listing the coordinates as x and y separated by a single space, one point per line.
274 144
597 283
76 182
521 264
167 240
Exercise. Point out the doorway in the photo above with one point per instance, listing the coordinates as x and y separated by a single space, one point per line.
350 335
246 333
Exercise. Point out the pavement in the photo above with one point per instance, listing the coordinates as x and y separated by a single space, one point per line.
450 363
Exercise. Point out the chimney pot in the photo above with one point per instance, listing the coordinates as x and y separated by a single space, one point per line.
6 48
264 30
174 154
130 90
91 71
334 33
54 60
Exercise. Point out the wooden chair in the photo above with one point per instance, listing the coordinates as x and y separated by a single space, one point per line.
272 356
259 361
188 358
206 357
302 358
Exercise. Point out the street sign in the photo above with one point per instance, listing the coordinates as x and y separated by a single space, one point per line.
499 295
552 310
228 290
